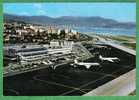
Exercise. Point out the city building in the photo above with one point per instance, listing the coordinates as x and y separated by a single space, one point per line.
29 33
52 30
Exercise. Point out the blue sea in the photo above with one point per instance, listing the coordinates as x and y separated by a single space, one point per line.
107 31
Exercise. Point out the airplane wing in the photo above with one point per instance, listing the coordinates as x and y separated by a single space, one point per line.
13 59
110 60
114 58
44 62
87 66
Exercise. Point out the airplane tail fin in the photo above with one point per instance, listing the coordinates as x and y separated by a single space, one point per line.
75 61
100 56
88 66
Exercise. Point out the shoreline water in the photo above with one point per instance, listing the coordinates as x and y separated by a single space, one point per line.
109 34
106 31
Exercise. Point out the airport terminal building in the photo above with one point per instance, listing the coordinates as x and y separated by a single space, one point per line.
24 54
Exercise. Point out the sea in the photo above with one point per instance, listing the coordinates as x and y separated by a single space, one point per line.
106 31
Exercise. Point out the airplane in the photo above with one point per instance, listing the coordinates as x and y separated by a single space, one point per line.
47 63
110 59
13 58
86 64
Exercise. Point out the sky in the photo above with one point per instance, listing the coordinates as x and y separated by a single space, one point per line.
123 12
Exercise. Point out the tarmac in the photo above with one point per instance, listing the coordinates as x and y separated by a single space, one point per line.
67 80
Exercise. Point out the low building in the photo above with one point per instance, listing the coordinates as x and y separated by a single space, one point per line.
25 54
52 30
61 44
54 44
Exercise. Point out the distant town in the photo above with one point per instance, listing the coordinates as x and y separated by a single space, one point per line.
27 33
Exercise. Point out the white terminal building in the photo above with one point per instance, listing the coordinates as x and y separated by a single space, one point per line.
34 53
63 47
63 44
25 54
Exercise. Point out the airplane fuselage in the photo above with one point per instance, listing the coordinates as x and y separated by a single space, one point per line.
87 65
110 59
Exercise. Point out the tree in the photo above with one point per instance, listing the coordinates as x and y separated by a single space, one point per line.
62 34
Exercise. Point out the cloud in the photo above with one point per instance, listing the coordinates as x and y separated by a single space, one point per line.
39 9
39 6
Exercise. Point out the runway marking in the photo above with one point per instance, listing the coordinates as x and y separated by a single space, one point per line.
91 82
62 75
105 74
81 87
59 84
12 90
122 68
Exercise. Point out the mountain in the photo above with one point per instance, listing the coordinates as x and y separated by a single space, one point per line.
70 20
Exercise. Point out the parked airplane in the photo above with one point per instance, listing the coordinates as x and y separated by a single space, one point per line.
47 63
110 59
86 64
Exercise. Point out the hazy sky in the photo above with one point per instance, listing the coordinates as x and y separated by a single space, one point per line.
119 11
